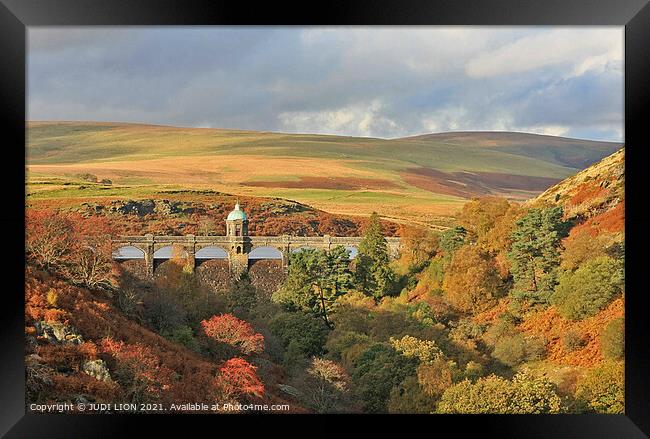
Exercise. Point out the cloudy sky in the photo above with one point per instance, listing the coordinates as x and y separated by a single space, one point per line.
362 81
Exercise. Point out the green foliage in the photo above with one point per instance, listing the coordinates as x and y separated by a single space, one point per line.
425 351
589 289
377 370
493 394
302 335
242 296
183 335
612 340
408 397
341 341
602 389
316 278
534 255
373 274
511 351
452 239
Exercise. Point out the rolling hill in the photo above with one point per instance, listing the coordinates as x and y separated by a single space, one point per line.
416 179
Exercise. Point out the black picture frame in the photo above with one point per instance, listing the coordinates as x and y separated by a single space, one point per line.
16 15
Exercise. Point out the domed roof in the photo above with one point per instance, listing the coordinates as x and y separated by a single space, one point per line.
236 214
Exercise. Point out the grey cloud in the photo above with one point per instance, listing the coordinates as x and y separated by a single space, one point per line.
384 82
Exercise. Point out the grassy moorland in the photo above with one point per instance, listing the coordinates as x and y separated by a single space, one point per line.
422 179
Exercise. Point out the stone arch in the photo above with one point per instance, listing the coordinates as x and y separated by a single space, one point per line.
165 253
128 252
266 252
211 252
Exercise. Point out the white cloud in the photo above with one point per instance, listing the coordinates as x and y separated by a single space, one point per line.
582 48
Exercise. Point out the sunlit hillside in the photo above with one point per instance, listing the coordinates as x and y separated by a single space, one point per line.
420 179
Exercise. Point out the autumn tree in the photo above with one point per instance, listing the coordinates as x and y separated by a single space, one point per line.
374 276
408 397
237 333
326 386
49 237
435 377
480 215
524 394
238 378
418 246
316 278
472 282
535 253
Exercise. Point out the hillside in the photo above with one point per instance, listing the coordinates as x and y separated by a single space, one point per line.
422 179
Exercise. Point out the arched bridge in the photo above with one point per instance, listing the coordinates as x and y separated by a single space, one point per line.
237 249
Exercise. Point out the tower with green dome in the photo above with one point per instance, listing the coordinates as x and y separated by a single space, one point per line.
237 234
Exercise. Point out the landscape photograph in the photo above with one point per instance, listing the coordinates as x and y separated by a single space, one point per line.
314 220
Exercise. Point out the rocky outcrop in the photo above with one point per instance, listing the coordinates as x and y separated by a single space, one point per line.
97 369
57 333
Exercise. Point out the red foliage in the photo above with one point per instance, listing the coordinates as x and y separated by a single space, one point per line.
227 328
141 363
238 378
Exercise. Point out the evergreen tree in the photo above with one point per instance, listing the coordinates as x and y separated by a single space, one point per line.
534 254
242 295
316 278
374 275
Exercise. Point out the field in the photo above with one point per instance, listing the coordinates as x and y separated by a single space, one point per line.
422 180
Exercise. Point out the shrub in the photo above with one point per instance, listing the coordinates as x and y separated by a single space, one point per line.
493 394
308 334
237 333
535 348
377 370
573 340
185 336
602 389
511 350
408 397
162 311
434 378
237 378
589 289
325 386
612 339
425 351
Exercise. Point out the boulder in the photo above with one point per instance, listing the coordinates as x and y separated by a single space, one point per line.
97 369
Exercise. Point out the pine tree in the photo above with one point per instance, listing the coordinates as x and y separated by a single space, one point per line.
534 254
316 278
374 275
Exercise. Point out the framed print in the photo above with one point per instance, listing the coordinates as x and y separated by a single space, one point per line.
400 209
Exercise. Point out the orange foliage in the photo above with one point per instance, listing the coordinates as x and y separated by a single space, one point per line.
552 326
229 329
237 377
587 192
